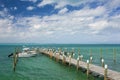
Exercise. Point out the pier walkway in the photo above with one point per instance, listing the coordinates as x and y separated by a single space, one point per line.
110 74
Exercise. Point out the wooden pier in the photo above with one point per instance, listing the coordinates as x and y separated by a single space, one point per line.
99 71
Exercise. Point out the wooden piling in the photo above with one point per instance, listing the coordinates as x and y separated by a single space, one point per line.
91 59
79 52
15 60
105 72
16 53
69 60
64 59
81 57
78 62
57 56
72 53
87 68
100 53
90 52
14 64
102 61
51 53
114 55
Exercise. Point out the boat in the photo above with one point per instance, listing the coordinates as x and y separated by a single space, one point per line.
26 52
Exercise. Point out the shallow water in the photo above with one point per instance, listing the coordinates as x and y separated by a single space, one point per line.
42 67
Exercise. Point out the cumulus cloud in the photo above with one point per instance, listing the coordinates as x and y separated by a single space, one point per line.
45 2
15 8
83 24
112 4
99 25
30 0
62 4
30 8
63 11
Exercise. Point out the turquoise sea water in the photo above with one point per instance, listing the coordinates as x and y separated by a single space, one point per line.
42 67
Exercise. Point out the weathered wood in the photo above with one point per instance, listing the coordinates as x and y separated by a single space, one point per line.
114 55
101 53
105 72
78 63
87 68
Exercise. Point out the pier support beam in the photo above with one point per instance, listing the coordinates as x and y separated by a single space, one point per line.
15 59
78 62
57 56
90 52
91 59
81 57
100 53
114 55
69 60
105 72
102 60
87 68
64 59
51 54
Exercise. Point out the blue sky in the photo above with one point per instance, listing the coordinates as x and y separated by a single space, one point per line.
60 21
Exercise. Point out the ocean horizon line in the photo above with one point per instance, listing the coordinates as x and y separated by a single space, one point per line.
59 44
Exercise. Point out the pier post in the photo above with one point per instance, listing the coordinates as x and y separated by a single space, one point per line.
65 51
14 62
91 59
102 60
78 62
72 53
54 54
87 68
51 53
90 52
79 52
105 72
114 55
64 59
58 55
100 53
69 60
81 57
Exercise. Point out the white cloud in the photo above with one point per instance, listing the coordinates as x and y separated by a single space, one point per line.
99 25
30 8
78 24
2 5
90 12
114 21
82 20
60 4
15 8
63 11
112 4
33 0
37 26
30 0
5 26
45 2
